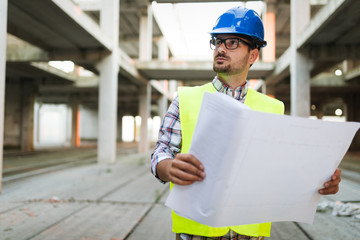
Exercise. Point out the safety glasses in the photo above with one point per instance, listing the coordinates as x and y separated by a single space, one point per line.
230 43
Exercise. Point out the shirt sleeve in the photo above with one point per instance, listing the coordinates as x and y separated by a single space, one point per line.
169 141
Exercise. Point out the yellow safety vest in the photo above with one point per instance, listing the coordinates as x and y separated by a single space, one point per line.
189 103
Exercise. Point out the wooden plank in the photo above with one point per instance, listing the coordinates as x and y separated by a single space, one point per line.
98 221
326 227
32 218
156 225
286 231
145 189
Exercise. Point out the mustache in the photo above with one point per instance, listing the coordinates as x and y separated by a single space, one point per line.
221 55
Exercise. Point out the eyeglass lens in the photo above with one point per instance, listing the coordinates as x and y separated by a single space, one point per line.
230 43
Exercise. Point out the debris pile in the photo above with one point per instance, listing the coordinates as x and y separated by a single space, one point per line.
340 208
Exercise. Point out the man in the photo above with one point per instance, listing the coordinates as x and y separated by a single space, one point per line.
236 40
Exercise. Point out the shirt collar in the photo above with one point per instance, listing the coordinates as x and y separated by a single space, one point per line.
239 92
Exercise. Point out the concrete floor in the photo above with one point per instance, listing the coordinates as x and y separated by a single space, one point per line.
124 201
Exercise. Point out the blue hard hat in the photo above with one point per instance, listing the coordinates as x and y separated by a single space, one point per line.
242 21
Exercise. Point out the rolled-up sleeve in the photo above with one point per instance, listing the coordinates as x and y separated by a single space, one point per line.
169 141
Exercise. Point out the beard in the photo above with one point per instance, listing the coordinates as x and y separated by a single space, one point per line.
227 67
221 68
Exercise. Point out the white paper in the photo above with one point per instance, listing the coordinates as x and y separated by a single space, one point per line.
259 167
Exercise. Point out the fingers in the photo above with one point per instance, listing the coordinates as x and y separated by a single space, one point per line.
336 174
191 159
330 190
332 186
186 169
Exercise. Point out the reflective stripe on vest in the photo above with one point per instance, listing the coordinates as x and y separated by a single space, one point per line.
189 104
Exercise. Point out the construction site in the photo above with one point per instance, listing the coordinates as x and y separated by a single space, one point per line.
85 85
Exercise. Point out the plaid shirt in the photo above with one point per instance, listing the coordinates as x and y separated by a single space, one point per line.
169 142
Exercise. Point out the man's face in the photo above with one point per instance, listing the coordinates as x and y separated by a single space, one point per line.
231 61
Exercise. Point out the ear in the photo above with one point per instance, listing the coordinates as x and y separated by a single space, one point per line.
254 55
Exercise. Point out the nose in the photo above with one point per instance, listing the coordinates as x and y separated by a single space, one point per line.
222 47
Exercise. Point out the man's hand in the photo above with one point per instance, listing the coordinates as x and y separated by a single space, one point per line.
184 169
332 186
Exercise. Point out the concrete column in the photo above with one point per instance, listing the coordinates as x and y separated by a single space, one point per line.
163 52
109 68
263 88
145 38
135 130
163 56
299 65
27 115
163 106
173 85
144 112
75 123
268 53
3 25
119 128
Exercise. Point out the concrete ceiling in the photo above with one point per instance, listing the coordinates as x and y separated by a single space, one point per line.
65 31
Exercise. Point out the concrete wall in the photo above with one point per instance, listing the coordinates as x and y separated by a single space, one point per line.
52 125
88 123
12 116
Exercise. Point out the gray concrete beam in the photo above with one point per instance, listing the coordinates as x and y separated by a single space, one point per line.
128 65
354 73
81 90
174 65
24 52
54 71
328 80
318 2
3 31
193 70
155 84
282 41
28 53
135 38
95 6
326 13
91 6
21 51
281 70
88 56
64 98
85 21
332 52
322 17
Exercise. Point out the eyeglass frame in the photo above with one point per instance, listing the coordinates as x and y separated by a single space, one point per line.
223 40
